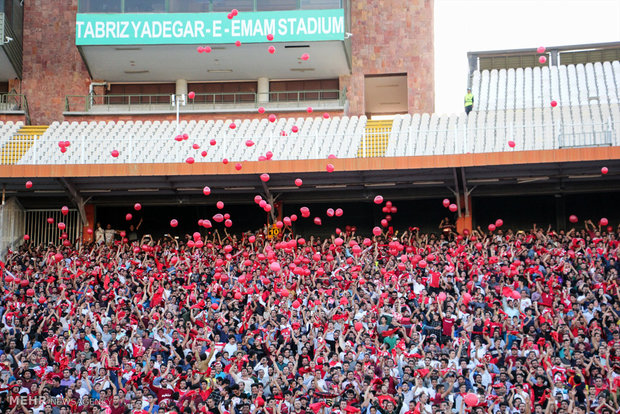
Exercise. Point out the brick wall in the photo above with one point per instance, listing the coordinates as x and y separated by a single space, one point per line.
392 36
53 67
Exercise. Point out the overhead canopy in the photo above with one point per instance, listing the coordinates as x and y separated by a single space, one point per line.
163 47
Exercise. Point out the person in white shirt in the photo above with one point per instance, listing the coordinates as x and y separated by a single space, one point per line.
231 347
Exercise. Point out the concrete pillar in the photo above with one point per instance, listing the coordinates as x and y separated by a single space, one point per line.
181 87
263 90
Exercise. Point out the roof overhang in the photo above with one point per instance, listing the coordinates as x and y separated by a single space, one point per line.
496 174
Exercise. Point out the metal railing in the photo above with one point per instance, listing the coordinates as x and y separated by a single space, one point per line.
285 145
13 102
586 135
42 232
204 6
203 101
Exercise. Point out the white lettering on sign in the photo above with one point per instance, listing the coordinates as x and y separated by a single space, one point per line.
173 29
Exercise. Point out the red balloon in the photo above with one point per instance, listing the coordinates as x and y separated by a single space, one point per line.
207 49
293 217
190 160
200 49
249 143
270 37
554 104
206 224
50 220
511 144
272 50
212 142
220 205
115 153
491 227
29 292
191 95
317 221
272 118
330 212
267 208
305 56
471 399
218 218
604 170
604 221
63 150
62 226
453 208
89 230
128 217
264 177
298 182
26 237
573 218
174 223
325 115
329 168
446 202
295 128
541 49
137 207
499 223
64 210
269 155
377 231
309 109
28 184
339 212
378 199
203 153
206 191
238 166
232 125
228 223
225 161
542 60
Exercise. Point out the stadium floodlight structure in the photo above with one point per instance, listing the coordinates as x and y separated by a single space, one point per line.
177 101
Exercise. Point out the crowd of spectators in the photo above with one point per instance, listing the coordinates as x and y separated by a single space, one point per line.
488 322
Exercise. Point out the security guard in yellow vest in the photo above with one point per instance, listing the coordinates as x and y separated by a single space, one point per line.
469 101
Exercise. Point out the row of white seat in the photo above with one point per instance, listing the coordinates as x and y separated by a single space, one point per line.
529 129
148 142
410 135
7 130
569 85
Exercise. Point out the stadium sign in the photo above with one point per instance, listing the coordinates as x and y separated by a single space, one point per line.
95 29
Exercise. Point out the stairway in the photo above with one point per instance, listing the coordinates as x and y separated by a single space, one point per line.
13 150
375 141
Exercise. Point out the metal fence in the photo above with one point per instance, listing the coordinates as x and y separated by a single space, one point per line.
203 101
586 135
43 232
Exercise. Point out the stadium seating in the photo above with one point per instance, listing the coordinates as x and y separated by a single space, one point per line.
411 135
571 85
511 104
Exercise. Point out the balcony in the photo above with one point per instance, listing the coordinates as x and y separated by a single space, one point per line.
237 102
202 6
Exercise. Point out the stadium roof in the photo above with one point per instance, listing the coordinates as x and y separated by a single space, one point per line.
493 174
521 58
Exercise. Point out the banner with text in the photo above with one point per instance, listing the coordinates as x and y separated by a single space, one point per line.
208 28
